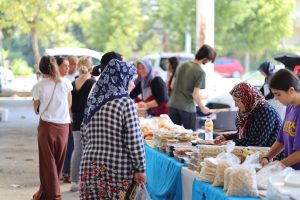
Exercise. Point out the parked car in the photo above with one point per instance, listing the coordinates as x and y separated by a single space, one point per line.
159 61
228 67
6 76
96 56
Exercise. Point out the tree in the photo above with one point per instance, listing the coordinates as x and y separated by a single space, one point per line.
248 27
113 26
176 17
44 20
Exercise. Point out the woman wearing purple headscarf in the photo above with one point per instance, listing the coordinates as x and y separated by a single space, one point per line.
153 90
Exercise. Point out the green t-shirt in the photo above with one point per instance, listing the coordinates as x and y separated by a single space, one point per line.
188 76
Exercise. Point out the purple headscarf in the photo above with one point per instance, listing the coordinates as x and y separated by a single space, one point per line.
150 73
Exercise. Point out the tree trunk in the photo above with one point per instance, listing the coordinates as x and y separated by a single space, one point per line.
35 47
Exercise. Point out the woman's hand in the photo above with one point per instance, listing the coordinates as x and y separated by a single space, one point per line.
220 140
140 178
264 161
205 110
142 105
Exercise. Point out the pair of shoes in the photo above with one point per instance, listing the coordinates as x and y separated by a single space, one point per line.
74 187
66 178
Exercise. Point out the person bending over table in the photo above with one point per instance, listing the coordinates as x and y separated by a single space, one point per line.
257 122
153 89
286 88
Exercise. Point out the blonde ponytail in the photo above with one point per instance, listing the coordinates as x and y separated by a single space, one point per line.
84 64
84 69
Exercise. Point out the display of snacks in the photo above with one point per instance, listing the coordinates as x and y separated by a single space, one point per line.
142 112
182 151
247 151
203 142
184 137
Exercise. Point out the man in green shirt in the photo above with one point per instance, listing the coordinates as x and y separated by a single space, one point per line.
189 79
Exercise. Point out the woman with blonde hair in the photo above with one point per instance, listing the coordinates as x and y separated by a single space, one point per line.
52 100
81 89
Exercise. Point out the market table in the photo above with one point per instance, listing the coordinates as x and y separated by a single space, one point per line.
168 179
203 190
163 175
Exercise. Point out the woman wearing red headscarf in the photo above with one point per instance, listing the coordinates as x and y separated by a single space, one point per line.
257 122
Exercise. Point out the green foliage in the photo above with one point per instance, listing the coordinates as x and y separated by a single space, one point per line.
241 26
248 26
113 26
175 18
20 67
152 44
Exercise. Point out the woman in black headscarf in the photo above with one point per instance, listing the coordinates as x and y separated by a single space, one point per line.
267 69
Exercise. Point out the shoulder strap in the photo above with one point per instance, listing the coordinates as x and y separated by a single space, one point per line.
49 101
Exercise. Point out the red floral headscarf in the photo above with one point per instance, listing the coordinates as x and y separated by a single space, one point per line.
252 99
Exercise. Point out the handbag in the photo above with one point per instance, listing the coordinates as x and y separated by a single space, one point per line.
48 102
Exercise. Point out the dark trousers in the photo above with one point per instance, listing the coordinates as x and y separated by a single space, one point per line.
180 117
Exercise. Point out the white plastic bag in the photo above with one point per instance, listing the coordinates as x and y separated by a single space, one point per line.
253 161
272 169
219 177
227 173
227 155
225 160
141 193
242 182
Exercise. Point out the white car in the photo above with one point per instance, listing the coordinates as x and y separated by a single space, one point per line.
159 61
6 76
96 56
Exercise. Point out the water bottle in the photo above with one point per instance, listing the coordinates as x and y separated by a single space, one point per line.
209 127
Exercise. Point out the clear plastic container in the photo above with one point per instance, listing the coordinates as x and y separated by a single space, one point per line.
209 128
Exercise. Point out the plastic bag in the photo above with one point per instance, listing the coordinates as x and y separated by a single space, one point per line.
242 182
272 169
227 155
225 160
208 170
227 173
253 161
219 177
141 193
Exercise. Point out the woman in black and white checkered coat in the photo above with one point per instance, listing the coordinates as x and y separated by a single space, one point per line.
113 148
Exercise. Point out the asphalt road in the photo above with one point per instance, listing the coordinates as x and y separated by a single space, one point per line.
19 173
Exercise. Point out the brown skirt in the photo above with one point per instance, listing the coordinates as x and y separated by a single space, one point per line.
52 142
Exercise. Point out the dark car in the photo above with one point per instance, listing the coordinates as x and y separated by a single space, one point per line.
228 67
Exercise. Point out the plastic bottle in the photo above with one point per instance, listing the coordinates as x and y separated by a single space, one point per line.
209 128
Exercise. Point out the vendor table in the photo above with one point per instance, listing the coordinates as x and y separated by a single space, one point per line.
203 190
168 179
163 175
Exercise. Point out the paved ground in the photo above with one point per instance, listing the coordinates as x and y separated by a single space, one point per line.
19 176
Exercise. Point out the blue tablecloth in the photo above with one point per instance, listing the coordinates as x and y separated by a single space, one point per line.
203 190
163 175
